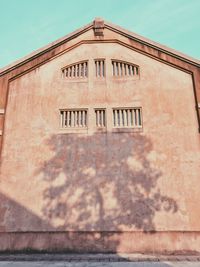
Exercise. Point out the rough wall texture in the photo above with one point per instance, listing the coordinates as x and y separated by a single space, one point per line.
101 190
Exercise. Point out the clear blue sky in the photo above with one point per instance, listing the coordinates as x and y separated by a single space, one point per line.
26 25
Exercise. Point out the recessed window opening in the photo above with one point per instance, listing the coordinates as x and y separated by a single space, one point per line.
73 118
100 67
100 117
78 70
120 68
127 117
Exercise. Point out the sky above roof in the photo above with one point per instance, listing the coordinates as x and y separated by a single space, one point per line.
26 25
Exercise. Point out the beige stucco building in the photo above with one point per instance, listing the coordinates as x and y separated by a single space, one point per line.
100 146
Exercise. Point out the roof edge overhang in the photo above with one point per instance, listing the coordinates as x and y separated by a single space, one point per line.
45 49
162 48
131 35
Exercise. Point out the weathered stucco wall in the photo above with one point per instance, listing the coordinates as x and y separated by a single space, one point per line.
53 181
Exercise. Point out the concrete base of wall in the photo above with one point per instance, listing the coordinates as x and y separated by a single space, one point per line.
102 242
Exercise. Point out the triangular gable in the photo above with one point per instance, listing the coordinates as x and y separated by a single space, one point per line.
106 25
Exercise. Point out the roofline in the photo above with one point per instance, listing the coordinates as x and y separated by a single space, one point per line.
45 48
153 44
108 25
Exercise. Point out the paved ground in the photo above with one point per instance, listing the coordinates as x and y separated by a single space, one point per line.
98 264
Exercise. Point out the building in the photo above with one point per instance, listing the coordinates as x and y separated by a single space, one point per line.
100 146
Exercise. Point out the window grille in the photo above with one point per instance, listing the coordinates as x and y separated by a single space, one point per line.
73 118
127 117
78 70
100 67
120 68
100 117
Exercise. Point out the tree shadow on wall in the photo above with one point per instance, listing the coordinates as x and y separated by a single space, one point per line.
102 182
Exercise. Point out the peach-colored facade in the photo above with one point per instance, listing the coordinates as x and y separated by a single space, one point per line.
121 190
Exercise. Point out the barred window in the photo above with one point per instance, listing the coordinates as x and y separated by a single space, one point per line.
77 70
76 118
100 67
100 118
127 117
121 68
